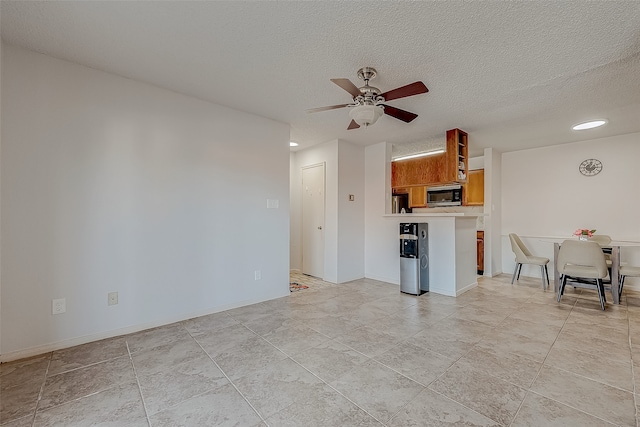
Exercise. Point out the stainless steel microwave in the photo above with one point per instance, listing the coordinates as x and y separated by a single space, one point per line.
446 195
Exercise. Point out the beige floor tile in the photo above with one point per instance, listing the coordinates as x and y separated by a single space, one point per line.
529 347
420 365
486 317
322 408
221 407
168 356
368 340
208 323
492 397
273 322
600 400
224 339
330 359
249 312
277 386
433 409
249 356
612 372
537 411
87 354
71 385
21 422
166 388
152 338
546 314
398 326
605 349
118 406
295 339
619 335
509 367
16 373
332 326
539 331
20 400
377 389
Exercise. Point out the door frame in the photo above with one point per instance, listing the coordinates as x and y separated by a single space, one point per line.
324 213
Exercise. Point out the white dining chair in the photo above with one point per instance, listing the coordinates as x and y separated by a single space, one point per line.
627 270
583 265
523 256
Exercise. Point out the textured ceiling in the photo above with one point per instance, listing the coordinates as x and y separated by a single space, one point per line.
513 74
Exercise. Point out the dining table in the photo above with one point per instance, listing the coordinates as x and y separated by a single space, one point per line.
614 246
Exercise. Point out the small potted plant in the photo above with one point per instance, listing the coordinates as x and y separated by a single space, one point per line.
583 233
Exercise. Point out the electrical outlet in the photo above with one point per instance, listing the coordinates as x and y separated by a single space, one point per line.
257 274
112 298
59 306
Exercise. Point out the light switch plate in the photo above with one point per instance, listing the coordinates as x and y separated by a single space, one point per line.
59 306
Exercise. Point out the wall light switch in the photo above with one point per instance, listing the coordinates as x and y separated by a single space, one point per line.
352 197
273 203
257 275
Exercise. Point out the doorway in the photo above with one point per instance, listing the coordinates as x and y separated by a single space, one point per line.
313 220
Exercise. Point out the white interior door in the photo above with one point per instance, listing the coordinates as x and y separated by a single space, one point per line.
313 220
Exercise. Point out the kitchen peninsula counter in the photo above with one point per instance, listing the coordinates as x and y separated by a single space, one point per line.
452 249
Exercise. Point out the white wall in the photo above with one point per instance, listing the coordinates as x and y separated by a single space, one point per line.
1 50
493 212
544 194
295 214
350 213
381 259
109 184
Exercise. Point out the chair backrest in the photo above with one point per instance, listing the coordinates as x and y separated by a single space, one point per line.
602 239
584 254
518 248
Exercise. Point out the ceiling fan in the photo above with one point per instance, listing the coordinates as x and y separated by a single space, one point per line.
369 103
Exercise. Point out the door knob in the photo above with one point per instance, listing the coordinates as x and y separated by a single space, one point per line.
319 227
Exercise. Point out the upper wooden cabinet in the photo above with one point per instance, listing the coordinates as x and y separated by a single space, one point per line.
448 167
475 188
418 197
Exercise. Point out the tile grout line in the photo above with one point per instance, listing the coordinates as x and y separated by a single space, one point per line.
528 389
35 412
135 374
227 377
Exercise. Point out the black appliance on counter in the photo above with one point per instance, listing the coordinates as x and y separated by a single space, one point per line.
414 258
400 202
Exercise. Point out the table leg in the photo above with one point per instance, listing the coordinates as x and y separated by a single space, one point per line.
556 276
615 266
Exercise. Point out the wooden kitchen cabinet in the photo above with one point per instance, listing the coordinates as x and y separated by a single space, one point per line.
475 188
418 197
448 167
480 249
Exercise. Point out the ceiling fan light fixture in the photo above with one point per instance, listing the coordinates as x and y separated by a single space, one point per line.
366 115
590 124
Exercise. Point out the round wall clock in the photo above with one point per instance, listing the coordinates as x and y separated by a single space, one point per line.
590 167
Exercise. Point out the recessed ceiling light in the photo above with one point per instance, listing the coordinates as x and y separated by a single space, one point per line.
590 125
293 144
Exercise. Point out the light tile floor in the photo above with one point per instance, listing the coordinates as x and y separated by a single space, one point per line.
355 354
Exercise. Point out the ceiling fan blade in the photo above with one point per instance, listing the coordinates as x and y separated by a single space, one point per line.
404 91
331 107
348 86
353 125
399 114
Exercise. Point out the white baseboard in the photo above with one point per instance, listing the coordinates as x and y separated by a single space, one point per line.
382 279
466 288
72 342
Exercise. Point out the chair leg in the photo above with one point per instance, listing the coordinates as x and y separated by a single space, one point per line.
601 293
546 272
620 287
519 271
562 285
544 284
514 272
